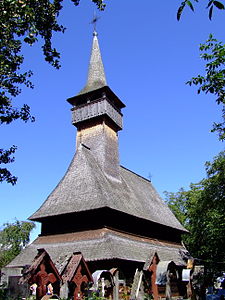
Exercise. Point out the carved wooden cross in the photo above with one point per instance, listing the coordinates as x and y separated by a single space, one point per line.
152 269
78 280
42 278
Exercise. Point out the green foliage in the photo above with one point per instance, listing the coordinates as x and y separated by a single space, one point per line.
13 238
213 82
2 291
21 22
4 296
177 203
201 210
94 296
210 6
5 158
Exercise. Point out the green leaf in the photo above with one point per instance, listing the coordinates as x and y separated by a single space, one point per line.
180 10
218 4
210 12
190 5
210 3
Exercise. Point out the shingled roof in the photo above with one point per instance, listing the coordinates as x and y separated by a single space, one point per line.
85 187
96 74
100 244
96 80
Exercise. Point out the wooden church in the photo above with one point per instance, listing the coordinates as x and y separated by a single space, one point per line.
110 214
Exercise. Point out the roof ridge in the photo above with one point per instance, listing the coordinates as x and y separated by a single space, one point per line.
135 173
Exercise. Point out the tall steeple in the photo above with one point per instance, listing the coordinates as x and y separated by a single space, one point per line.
96 74
97 115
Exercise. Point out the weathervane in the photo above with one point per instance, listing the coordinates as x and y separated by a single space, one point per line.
94 21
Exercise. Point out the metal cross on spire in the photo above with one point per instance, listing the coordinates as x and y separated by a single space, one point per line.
94 21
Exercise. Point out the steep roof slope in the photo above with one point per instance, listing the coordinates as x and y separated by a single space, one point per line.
85 187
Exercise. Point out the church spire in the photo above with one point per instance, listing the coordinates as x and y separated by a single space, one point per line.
97 115
96 74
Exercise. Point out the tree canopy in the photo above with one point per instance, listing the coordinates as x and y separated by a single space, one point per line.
13 238
24 22
213 82
201 210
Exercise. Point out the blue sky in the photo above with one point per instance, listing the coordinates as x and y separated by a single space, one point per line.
148 56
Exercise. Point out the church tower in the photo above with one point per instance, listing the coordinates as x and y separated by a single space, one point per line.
112 215
97 115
